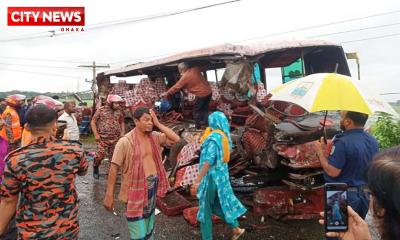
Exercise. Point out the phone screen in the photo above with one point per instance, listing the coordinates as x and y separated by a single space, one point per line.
336 217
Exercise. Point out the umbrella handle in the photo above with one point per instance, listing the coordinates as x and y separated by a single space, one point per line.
323 128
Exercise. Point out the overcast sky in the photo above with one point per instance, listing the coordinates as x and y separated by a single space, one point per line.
127 43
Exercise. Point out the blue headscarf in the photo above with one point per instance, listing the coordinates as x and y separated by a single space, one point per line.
218 120
212 151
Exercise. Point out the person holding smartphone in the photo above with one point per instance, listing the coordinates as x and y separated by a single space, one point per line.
384 187
351 153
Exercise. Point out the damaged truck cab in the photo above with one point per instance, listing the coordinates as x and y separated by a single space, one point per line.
274 167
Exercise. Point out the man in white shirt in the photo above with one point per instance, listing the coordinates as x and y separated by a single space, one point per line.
72 130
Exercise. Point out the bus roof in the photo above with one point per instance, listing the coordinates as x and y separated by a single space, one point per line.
225 51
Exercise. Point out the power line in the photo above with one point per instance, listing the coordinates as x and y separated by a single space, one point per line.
39 66
212 5
300 29
350 41
126 21
43 60
319 26
23 38
372 38
162 15
144 58
355 30
391 93
39 73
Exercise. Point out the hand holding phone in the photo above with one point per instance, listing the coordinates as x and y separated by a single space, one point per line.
358 228
336 215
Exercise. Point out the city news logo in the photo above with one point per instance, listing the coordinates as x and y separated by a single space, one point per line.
73 17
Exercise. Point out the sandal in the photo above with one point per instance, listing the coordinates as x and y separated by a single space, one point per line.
238 235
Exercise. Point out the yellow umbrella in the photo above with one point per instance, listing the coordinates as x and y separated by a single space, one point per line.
331 91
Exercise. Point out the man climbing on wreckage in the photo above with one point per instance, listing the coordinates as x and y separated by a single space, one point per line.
138 154
195 83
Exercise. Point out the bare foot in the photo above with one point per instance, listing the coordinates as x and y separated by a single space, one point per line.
237 233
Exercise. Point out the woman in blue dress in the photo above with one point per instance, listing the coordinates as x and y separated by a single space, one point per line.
212 186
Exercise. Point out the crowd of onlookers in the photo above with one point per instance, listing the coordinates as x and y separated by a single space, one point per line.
81 111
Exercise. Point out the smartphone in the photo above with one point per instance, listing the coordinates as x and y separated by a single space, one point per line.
336 216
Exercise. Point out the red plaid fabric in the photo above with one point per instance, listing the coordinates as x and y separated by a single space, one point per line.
121 88
133 99
145 89
190 175
112 91
261 92
188 152
225 108
215 92
179 176
130 98
254 142
286 108
228 95
257 122
302 155
160 87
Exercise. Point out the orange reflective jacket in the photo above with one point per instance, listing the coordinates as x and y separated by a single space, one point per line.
15 124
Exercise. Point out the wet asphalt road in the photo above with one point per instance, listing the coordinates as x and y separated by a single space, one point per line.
97 223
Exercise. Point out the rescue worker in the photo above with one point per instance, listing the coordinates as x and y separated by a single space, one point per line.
195 83
12 130
27 136
3 105
23 109
39 182
107 126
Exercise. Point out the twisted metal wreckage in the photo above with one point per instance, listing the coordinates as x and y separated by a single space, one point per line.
274 166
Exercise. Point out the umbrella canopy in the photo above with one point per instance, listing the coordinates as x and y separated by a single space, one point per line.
331 91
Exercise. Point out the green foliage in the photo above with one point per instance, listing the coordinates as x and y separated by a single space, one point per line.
396 105
62 95
387 131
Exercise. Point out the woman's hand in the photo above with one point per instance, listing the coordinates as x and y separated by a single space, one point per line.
358 228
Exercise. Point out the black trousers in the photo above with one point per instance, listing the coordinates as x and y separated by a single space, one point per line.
201 110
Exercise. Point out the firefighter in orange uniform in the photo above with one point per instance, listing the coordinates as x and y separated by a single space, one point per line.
11 131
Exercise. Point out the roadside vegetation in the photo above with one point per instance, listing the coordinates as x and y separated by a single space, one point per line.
387 131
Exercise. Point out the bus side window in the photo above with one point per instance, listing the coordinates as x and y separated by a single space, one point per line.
273 78
215 75
292 71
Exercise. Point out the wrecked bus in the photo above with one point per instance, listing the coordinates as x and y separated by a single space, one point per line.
274 168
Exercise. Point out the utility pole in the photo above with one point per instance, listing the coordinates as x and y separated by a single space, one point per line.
354 55
77 86
94 82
